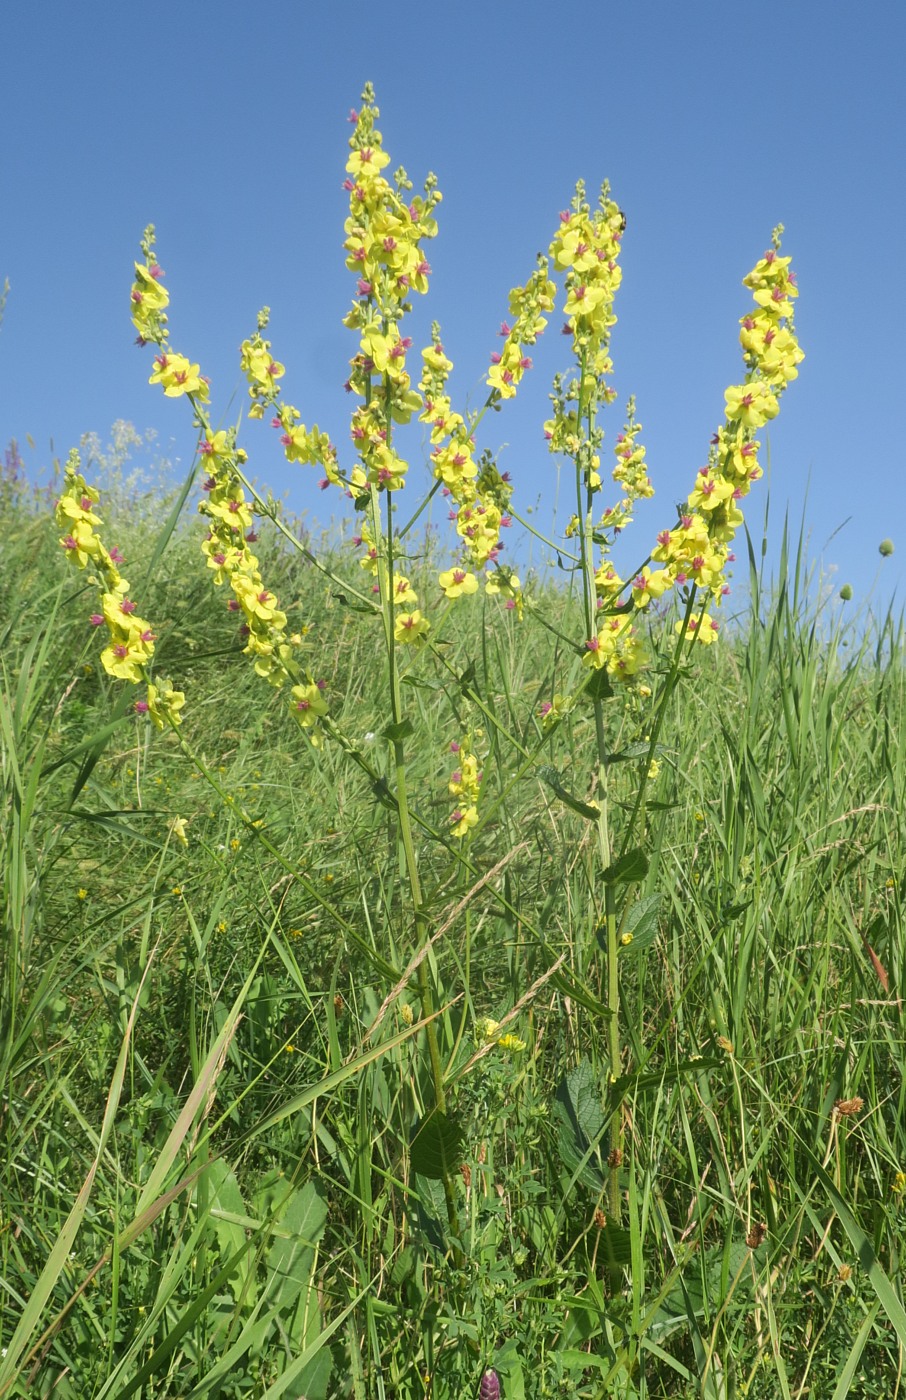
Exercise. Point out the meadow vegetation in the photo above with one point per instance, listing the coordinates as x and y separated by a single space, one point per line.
420 980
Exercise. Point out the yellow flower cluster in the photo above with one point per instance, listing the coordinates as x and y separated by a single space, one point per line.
477 489
528 306
300 444
697 550
149 297
465 786
615 648
587 248
174 373
226 546
130 647
385 230
488 1028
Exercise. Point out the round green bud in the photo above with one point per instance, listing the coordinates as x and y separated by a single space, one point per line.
846 592
885 548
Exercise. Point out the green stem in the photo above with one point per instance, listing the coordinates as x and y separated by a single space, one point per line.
589 598
425 991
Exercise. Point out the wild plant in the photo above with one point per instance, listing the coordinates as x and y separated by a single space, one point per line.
589 744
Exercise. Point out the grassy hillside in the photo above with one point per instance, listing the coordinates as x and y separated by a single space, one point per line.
220 1173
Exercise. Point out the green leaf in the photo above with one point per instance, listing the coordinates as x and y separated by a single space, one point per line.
582 1139
299 1226
657 1079
347 603
549 775
629 869
468 681
599 687
430 1211
227 1209
436 1146
381 790
396 733
635 751
570 987
641 924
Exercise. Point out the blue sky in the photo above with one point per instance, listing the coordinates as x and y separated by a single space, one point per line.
225 125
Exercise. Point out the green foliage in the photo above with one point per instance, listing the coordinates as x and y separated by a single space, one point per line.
246 1211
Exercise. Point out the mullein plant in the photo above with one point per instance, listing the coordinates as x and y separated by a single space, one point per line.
691 556
386 233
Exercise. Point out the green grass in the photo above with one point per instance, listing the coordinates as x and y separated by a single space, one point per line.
211 1176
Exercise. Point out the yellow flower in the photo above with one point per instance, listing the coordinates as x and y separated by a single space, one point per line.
700 629
512 1043
178 376
81 893
751 404
456 583
178 828
411 629
164 704
308 705
463 820
403 592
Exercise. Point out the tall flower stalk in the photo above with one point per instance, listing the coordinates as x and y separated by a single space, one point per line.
692 556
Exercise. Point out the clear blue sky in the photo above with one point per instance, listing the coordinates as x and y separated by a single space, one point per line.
225 125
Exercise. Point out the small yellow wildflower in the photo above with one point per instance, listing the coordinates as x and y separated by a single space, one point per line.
178 828
899 1184
235 844
221 927
487 1029
82 893
511 1043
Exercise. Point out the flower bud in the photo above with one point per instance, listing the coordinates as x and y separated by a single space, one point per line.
490 1386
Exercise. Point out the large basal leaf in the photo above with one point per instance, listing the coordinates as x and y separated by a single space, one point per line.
297 1229
436 1147
582 1139
431 1211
